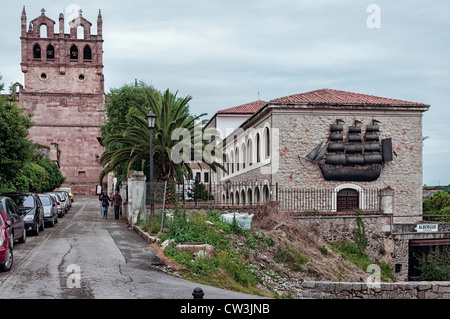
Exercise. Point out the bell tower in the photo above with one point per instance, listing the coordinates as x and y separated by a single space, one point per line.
64 89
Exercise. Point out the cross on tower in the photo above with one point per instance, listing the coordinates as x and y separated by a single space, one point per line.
80 12
43 11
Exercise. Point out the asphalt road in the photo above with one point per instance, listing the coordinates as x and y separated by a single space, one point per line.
87 257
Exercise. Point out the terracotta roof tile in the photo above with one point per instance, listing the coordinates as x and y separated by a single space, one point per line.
333 97
249 108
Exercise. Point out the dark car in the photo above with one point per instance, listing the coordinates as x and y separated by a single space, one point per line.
50 209
11 213
30 205
6 250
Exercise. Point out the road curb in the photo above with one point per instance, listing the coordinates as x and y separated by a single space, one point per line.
150 239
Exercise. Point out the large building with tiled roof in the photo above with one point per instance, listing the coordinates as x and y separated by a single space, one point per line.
330 156
327 139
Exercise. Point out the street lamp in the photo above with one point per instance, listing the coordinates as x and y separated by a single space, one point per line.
151 120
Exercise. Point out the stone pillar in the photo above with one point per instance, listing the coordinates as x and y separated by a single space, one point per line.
136 188
123 191
387 200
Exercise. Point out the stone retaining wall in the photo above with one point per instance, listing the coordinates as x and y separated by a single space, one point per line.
357 290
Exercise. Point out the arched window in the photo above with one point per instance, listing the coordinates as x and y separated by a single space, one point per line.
249 196
237 197
36 51
87 53
74 52
237 159
347 199
267 140
232 162
50 52
257 196
231 198
244 155
258 149
266 193
250 152
80 32
243 197
43 31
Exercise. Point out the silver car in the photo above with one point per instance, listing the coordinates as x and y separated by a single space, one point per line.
59 204
64 201
50 209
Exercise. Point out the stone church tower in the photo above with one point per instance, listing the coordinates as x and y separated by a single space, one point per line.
64 89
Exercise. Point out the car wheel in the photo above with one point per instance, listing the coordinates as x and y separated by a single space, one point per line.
41 228
24 236
36 232
8 264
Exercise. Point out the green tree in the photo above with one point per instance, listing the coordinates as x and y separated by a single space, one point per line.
15 149
438 204
129 141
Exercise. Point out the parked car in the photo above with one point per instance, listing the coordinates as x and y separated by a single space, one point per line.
59 205
68 190
50 209
30 205
64 200
11 213
6 250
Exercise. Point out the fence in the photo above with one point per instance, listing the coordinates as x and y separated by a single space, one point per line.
251 194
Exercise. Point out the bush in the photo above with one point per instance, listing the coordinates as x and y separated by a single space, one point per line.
436 265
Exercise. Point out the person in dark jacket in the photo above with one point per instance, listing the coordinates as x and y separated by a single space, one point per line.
117 202
105 204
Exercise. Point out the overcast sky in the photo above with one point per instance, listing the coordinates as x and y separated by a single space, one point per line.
228 52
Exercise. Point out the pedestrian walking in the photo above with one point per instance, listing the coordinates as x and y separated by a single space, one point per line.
104 198
117 202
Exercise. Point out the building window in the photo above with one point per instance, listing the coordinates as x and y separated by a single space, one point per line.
267 137
237 159
258 149
198 177
43 31
87 53
250 152
50 52
36 51
206 177
74 52
347 199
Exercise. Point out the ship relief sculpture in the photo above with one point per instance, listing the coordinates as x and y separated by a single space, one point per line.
350 155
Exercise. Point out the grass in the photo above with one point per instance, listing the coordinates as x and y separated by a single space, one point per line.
226 269
353 252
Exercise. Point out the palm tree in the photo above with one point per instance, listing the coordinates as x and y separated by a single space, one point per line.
132 145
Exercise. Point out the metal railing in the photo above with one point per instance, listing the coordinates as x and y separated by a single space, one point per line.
252 194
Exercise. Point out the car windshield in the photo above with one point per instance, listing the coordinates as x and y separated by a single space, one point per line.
23 201
45 200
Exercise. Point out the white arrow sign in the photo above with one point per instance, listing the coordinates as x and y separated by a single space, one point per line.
426 228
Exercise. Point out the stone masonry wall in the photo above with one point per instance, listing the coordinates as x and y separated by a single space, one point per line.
398 290
302 130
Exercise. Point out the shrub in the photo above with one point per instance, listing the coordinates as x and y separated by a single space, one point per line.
436 265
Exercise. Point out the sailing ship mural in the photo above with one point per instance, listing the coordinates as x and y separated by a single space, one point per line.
352 156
